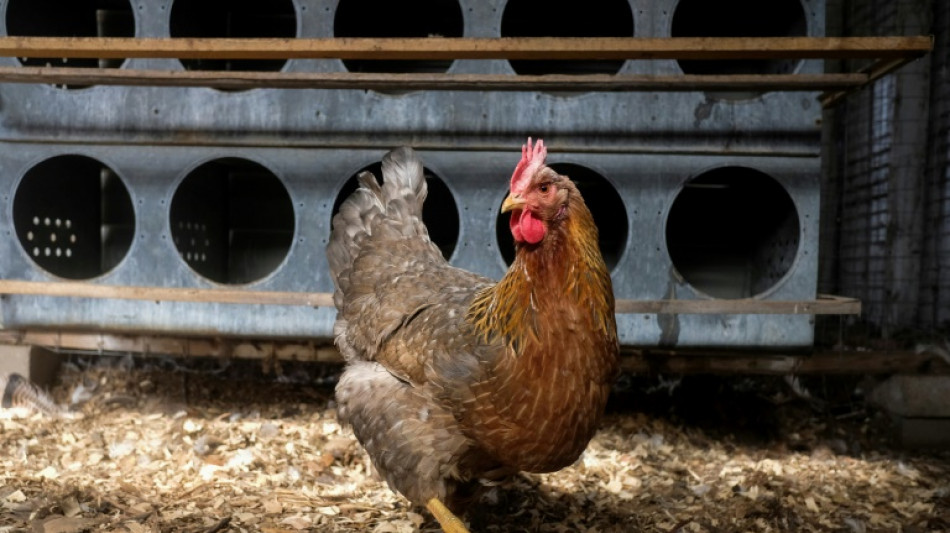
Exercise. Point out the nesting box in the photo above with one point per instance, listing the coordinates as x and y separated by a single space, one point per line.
697 195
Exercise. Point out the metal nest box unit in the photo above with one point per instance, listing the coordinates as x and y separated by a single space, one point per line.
171 168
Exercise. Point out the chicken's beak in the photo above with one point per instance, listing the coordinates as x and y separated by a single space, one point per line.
512 202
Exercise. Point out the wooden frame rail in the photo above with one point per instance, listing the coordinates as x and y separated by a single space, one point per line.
888 53
470 48
634 361
833 305
238 80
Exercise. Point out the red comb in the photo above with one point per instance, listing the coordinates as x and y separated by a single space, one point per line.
532 158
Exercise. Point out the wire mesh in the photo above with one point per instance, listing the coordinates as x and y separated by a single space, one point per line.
886 214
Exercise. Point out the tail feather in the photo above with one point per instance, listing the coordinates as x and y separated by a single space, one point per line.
398 202
17 391
403 177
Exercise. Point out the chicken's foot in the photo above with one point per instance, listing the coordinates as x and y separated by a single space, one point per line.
449 522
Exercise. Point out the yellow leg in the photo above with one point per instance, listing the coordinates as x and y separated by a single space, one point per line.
449 522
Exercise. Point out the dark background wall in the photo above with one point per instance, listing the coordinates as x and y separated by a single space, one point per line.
885 213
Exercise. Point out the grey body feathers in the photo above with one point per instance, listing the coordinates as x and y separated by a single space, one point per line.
401 328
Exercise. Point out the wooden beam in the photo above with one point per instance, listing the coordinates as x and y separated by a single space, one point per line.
634 361
105 342
873 72
410 82
470 48
649 361
823 305
834 305
169 294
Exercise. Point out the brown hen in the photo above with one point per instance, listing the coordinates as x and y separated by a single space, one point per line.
451 377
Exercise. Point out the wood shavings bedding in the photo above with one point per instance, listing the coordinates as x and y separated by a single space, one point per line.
165 450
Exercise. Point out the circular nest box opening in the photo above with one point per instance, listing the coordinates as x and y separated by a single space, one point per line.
733 232
439 212
605 205
543 18
237 19
739 18
67 18
232 221
73 217
385 18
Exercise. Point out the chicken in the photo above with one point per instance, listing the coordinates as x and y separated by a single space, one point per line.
17 392
450 377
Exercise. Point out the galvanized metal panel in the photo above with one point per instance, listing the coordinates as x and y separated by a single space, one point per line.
661 122
646 145
648 185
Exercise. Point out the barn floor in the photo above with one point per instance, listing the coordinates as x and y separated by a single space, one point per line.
202 446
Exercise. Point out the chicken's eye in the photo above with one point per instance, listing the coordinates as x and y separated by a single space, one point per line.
544 187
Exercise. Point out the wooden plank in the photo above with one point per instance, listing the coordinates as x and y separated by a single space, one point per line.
409 82
321 352
823 305
634 361
649 361
469 48
874 72
172 294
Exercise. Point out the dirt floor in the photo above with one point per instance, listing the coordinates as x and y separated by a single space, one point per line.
206 446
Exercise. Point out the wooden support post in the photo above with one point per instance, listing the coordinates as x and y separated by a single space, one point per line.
35 363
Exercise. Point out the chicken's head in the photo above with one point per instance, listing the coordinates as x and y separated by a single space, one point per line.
538 195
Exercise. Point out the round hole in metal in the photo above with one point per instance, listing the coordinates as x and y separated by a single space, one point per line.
94 201
544 18
739 18
237 19
70 18
733 232
439 212
385 18
232 221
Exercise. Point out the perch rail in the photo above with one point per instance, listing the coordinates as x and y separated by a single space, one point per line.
886 53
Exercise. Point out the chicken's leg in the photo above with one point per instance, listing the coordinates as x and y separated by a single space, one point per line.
449 522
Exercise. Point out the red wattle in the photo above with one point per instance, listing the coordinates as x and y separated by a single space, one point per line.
525 227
